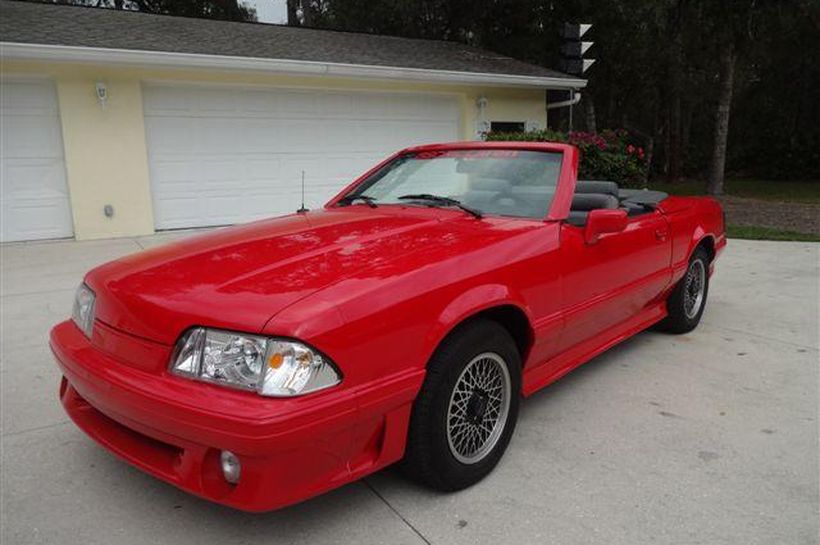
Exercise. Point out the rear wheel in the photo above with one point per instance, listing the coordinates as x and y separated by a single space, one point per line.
466 411
687 301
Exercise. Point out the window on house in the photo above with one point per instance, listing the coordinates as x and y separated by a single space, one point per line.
507 126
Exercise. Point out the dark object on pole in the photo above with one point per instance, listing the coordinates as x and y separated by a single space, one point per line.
573 49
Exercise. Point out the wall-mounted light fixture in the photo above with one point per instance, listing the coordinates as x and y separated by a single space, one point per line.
102 93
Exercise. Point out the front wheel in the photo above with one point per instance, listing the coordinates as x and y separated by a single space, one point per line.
466 411
687 301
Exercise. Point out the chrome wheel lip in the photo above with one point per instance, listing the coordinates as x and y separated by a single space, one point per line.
471 443
694 288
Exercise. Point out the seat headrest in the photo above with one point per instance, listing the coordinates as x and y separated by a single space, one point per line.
489 184
596 186
577 218
593 201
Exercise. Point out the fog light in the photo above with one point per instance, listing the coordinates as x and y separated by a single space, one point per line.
231 468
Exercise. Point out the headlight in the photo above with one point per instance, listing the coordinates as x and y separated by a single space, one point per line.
83 311
267 365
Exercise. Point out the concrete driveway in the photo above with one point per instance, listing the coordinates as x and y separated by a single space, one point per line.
709 438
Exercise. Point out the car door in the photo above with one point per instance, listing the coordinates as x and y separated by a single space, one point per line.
614 279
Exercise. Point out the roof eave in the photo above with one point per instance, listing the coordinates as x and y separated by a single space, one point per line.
167 59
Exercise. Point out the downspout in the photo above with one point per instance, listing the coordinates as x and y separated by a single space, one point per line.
575 99
564 103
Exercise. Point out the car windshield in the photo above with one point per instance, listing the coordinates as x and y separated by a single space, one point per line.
504 182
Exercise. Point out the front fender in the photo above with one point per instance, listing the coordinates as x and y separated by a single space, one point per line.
468 304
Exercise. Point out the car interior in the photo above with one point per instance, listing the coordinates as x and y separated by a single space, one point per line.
499 196
595 194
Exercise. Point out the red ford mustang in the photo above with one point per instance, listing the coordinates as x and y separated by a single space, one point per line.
265 363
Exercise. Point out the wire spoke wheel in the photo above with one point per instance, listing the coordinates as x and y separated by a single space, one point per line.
478 408
694 288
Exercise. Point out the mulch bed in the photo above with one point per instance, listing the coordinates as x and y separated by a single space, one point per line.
786 216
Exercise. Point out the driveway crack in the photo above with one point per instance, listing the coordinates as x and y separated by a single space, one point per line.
390 506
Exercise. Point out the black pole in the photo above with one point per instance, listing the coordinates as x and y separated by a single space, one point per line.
302 209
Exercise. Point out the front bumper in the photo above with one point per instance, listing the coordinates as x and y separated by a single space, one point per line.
174 429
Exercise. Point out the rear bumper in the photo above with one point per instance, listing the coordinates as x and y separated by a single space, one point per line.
720 246
174 429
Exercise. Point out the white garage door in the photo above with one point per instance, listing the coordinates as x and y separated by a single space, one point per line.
222 155
33 189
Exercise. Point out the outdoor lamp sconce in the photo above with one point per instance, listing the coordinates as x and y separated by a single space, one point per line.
102 93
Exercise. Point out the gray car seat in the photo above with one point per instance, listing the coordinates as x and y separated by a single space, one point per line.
583 203
485 191
596 186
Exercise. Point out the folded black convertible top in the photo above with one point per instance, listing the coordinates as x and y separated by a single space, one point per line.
646 197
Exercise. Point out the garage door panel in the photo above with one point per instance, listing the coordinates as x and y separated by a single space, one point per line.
170 135
261 103
33 193
171 172
29 98
221 155
301 103
33 178
338 105
172 101
31 136
263 136
262 170
178 210
45 218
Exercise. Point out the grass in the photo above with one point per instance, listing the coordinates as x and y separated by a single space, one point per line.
797 192
768 233
785 191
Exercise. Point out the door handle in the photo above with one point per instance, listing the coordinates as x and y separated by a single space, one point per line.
661 234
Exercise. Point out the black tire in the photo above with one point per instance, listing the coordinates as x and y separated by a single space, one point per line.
680 318
430 457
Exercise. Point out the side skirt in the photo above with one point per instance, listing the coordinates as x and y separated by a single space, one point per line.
539 376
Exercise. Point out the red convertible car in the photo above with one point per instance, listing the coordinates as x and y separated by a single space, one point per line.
262 364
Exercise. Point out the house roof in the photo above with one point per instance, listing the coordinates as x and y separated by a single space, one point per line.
36 30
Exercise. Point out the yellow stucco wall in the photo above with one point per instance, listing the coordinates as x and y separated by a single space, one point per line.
105 148
105 157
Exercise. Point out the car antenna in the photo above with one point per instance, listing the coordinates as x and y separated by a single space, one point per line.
302 209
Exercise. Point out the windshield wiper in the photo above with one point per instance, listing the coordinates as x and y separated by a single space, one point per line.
442 201
349 199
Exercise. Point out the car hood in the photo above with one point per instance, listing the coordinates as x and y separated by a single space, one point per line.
239 277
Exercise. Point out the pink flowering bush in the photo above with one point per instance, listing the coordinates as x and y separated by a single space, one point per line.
607 155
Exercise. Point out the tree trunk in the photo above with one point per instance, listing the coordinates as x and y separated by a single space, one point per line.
589 114
685 134
308 14
293 13
676 82
724 106
676 66
650 151
667 144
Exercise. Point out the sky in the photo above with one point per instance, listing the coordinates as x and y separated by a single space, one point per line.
269 11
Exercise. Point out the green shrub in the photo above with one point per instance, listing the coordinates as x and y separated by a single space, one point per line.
608 155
